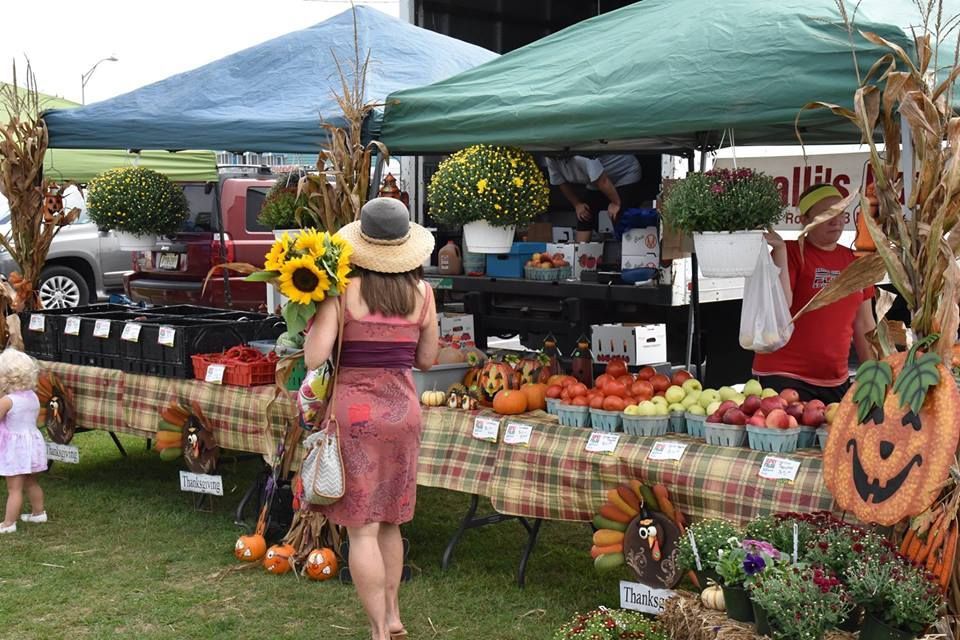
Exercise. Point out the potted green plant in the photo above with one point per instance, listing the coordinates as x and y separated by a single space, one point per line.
739 565
800 602
899 600
489 191
136 203
610 624
710 536
282 205
726 211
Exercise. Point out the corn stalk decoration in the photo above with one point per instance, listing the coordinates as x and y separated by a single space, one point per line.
34 221
339 188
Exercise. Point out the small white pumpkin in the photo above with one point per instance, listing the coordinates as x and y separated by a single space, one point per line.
712 598
433 398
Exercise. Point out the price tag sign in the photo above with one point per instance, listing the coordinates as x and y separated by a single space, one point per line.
131 332
38 322
72 326
166 336
486 428
774 468
215 373
517 433
602 442
667 450
63 453
101 329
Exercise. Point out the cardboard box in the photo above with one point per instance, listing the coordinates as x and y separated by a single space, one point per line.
456 330
564 234
583 256
540 232
641 241
642 261
638 343
675 244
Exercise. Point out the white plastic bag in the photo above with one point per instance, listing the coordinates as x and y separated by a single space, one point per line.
765 321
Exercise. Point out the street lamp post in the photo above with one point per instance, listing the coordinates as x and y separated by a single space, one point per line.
85 78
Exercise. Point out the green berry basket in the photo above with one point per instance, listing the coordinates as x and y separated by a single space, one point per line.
724 435
645 425
573 416
552 405
808 438
547 275
695 424
822 434
773 440
678 422
605 420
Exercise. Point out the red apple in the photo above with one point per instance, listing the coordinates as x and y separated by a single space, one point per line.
813 416
646 373
734 416
679 377
795 409
773 402
716 416
660 382
777 418
726 405
751 405
816 403
790 395
791 422
757 420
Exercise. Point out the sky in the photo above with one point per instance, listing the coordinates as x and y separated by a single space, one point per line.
151 40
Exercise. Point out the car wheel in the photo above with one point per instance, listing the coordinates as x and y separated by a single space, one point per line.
62 288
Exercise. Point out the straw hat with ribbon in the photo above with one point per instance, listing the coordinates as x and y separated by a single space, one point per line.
384 239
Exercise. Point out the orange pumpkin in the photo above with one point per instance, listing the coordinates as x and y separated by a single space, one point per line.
279 559
536 396
321 564
894 464
250 548
494 377
509 402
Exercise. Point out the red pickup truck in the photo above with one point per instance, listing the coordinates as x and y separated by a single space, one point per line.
174 271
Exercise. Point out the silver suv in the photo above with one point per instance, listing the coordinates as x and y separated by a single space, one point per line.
83 265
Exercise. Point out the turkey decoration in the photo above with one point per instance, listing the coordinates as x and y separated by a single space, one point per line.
639 527
894 437
184 431
57 413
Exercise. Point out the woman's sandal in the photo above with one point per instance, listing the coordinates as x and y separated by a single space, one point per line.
398 635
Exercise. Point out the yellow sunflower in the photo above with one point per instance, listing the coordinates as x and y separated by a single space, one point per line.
302 281
311 242
277 254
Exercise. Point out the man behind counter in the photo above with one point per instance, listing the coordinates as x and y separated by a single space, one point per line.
815 360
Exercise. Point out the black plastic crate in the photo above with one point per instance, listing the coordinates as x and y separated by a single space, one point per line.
252 326
98 351
159 369
191 336
45 344
187 310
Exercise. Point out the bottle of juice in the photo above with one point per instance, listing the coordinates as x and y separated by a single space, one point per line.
449 262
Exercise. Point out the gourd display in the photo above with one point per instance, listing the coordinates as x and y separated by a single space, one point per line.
433 398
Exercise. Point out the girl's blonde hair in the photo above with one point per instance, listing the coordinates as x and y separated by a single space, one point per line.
18 371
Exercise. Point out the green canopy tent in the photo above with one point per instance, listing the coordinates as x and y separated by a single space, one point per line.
80 165
660 74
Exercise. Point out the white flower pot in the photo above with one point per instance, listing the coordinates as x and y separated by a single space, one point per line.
129 242
482 237
727 254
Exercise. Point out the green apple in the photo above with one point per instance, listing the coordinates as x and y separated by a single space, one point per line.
632 410
712 407
752 388
768 393
707 397
647 408
676 408
690 398
739 398
674 394
696 410
727 393
659 400
661 409
691 385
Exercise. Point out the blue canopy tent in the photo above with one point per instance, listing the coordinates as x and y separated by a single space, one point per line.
270 97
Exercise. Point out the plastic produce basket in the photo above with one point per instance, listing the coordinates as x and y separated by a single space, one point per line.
45 344
297 375
552 405
822 434
678 423
601 420
807 438
695 424
547 275
773 440
573 416
240 368
645 425
724 435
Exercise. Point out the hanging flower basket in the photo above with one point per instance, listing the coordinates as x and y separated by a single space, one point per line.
130 242
482 237
728 254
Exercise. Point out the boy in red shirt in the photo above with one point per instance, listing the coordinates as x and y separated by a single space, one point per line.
814 362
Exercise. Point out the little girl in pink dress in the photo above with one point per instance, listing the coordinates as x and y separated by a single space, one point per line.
22 450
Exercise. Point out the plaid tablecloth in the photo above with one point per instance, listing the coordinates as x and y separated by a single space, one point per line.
243 419
450 457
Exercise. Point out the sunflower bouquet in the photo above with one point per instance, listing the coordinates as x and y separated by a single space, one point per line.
307 267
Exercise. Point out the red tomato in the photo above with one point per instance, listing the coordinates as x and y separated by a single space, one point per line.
601 380
641 389
565 396
577 389
613 403
646 373
660 382
615 388
596 402
616 367
627 380
628 400
554 391
567 381
580 401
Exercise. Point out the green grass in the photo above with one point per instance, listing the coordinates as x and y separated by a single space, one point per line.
126 555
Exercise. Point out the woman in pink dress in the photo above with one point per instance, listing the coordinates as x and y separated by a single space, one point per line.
390 326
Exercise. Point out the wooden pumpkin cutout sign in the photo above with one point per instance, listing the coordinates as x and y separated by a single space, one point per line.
894 437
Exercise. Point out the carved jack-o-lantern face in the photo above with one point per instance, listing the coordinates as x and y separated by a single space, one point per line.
494 377
321 564
650 549
893 464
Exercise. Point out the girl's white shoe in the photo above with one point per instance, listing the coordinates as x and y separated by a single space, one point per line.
29 517
8 529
